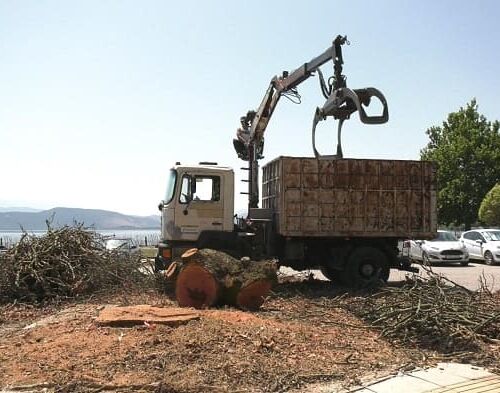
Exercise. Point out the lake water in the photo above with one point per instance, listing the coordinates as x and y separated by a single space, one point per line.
140 236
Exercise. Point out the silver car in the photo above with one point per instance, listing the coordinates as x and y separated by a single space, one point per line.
444 248
124 245
483 244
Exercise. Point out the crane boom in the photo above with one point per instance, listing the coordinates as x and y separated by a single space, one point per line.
341 103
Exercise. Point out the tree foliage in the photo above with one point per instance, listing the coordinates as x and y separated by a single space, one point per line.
489 212
467 150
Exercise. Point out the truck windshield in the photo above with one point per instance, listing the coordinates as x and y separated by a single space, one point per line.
171 179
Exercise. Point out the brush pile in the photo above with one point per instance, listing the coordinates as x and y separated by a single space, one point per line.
435 313
64 263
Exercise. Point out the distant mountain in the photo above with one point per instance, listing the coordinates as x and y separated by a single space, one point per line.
59 216
19 209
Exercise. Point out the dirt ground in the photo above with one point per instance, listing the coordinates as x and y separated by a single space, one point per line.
300 336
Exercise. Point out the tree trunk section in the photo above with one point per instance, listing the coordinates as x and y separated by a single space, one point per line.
253 295
171 272
208 277
196 287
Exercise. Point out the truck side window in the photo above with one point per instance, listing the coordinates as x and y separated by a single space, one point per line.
185 196
207 189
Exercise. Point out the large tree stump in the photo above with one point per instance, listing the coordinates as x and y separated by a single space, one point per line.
196 287
208 277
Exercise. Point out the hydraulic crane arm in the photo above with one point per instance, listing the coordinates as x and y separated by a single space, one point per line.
254 123
340 103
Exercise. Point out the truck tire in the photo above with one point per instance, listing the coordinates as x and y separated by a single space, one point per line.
366 267
159 265
333 275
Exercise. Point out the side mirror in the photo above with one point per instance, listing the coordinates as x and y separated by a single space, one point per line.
419 242
479 241
160 206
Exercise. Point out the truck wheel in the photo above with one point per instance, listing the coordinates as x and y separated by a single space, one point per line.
488 258
159 265
333 275
366 266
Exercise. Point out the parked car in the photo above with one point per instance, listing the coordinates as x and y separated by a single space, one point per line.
125 245
444 248
483 244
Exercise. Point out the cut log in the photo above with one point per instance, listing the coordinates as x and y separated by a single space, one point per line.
196 287
190 255
253 295
171 272
137 315
207 277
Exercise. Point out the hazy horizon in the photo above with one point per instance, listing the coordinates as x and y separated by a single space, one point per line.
28 209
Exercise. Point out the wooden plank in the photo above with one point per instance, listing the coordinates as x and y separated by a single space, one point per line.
137 315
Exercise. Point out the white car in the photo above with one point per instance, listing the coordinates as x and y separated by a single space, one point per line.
483 244
124 245
444 248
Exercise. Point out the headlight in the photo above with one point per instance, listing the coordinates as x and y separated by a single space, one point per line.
434 248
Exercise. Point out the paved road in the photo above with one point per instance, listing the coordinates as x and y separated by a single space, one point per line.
468 276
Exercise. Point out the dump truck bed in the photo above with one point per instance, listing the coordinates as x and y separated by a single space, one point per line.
351 197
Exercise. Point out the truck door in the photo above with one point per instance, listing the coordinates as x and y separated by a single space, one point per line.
201 205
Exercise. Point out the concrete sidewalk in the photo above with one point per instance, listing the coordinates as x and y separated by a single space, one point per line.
444 378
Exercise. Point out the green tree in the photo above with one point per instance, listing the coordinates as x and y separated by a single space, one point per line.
489 211
467 150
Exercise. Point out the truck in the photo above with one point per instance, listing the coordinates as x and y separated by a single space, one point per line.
344 216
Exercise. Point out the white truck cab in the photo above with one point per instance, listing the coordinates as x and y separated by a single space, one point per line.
199 201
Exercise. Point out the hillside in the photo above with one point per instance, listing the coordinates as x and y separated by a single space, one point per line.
19 209
99 219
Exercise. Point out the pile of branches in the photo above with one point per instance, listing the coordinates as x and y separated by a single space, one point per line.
434 313
64 263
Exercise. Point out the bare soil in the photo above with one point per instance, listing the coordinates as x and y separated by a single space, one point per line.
302 335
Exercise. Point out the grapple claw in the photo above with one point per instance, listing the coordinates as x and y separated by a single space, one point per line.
364 99
340 105
318 116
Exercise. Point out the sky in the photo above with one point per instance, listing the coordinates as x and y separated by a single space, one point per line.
99 98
